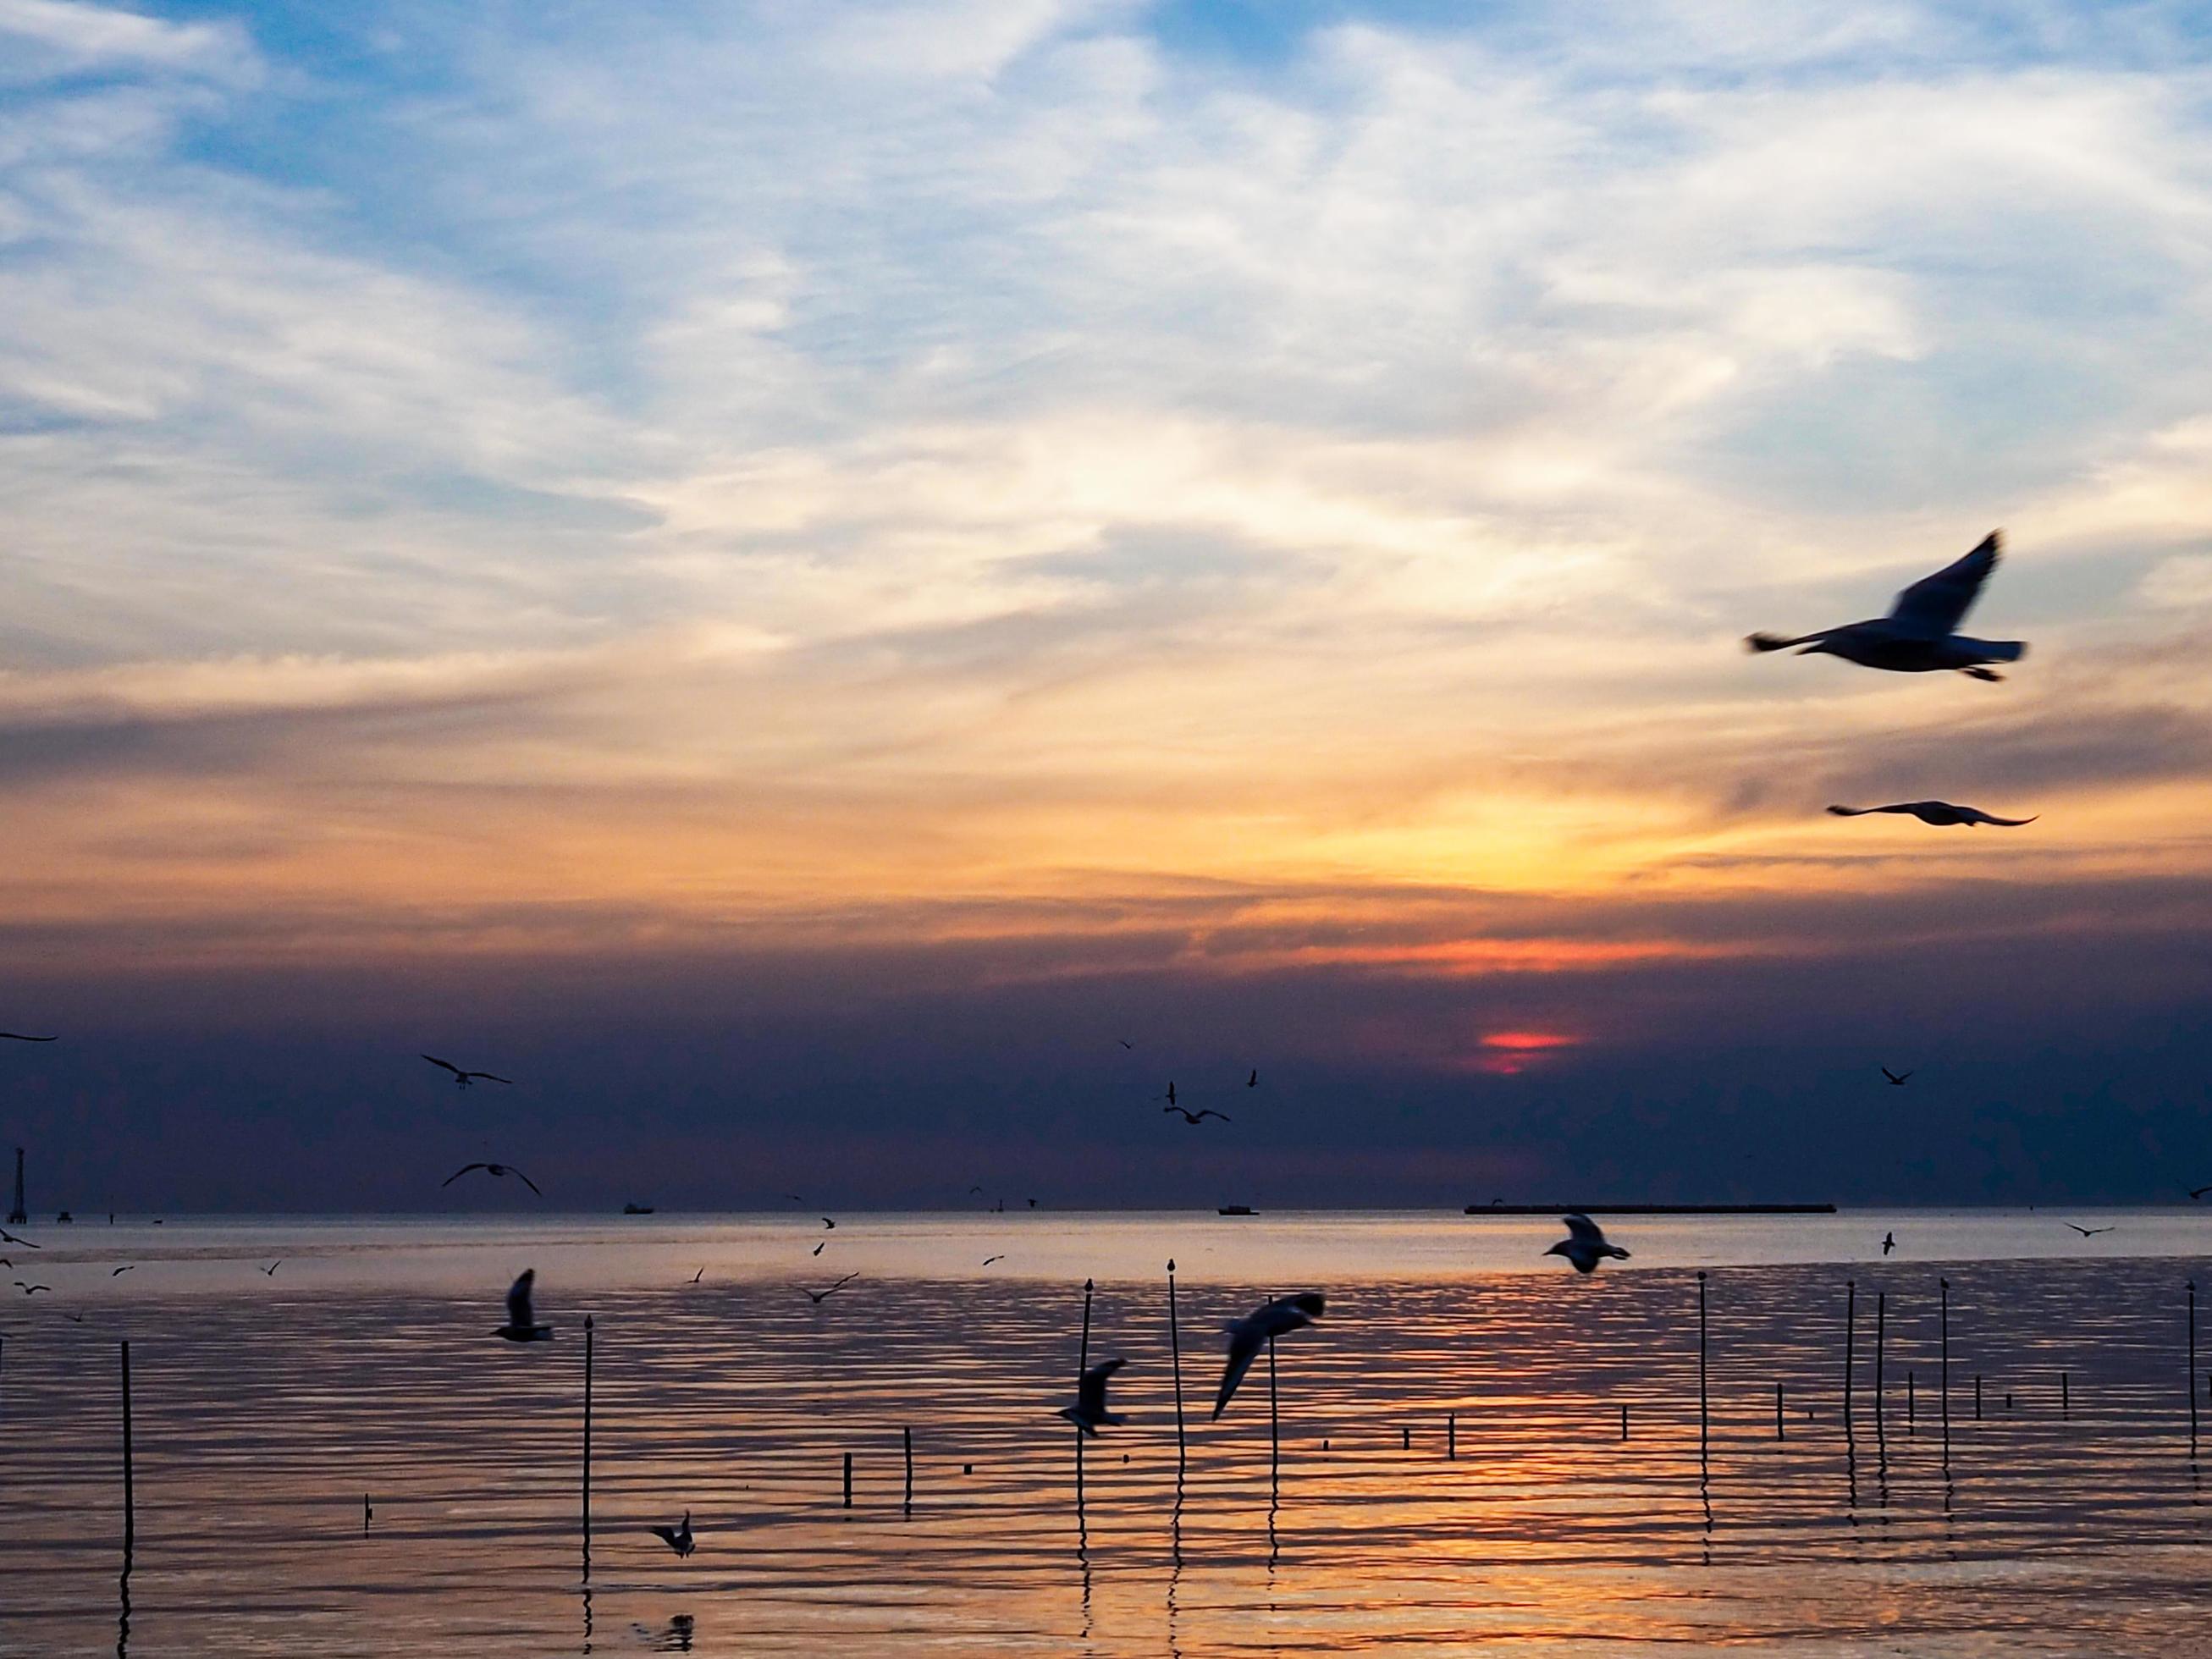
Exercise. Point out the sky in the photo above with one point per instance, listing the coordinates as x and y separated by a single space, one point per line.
792 575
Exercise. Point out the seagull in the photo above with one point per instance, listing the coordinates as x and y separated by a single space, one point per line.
461 1078
1125 1043
271 1270
521 1324
1918 636
491 1169
697 1277
1189 1117
1253 1081
2194 1191
33 1289
7 1237
1089 1410
988 1259
1889 1242
1584 1244
676 1538
1896 1079
2089 1232
827 1223
1941 813
1170 1093
972 1191
795 1198
74 1318
818 1296
1261 1326
17 1036
817 1249
123 1269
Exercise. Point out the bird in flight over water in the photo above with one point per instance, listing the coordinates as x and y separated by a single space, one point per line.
17 1036
7 1237
522 1324
1253 1081
818 1296
1585 1244
1125 1043
676 1538
33 1289
1189 1117
817 1249
121 1270
1088 1411
1941 813
827 1222
271 1270
988 1259
1889 1242
2089 1232
462 1078
1170 1096
1248 1335
1919 635
1896 1079
2194 1191
493 1169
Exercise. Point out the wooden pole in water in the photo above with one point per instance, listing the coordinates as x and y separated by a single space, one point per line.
2065 1403
1702 1425
1780 1433
1451 1436
587 1445
2192 1371
1405 1437
1912 1404
1881 1340
1624 1422
848 1479
1274 1419
1175 1348
1944 1389
129 1493
907 1434
1978 1396
1851 1340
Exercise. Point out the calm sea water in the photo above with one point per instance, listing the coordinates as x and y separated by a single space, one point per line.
2065 1516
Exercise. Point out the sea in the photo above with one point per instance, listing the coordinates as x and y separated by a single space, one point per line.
1757 1434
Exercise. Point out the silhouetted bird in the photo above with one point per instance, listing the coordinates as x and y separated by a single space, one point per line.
1125 1043
827 1222
1896 1079
1917 636
1253 1081
271 1270
817 1249
676 1538
492 1170
1189 1117
17 1036
973 1191
697 1277
1584 1244
2194 1191
1033 1204
988 1259
818 1296
2089 1232
33 1289
1889 1242
1170 1096
461 1078
1941 813
7 1237
123 1269
1262 1324
1089 1410
522 1324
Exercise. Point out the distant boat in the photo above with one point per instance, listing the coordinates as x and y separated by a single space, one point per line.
637 1209
65 1218
1236 1209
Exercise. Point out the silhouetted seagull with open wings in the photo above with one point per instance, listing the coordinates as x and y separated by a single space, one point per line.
819 1296
271 1270
676 1538
1585 1244
1253 1081
1263 1324
1889 1242
2089 1232
522 1324
2194 1193
492 1170
1896 1079
462 1079
17 1036
988 1259
1189 1117
7 1237
1088 1411
1918 636
119 1272
1941 813
33 1289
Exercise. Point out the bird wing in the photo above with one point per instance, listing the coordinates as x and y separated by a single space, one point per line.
491 1077
462 1170
1937 603
17 1036
447 1064
1244 1345
1583 1230
827 1222
844 1282
665 1534
524 1179
2008 824
518 1298
1210 1112
25 1242
1090 1391
1853 811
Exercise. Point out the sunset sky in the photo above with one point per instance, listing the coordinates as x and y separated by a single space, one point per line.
787 575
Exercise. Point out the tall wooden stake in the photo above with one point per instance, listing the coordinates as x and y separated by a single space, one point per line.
1851 1340
1175 1349
587 1445
848 1477
129 1493
1780 1433
1703 1426
906 1435
1275 1426
1944 1387
2192 1371
1881 1338
1451 1436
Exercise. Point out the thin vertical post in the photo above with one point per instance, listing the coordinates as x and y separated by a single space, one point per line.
1944 1387
2192 1371
1911 1403
367 1515
1881 1340
1624 1421
1175 1348
1978 1396
129 1492
1274 1421
907 1434
1850 1341
1451 1436
848 1477
1702 1423
587 1445
2065 1402
1405 1438
1780 1433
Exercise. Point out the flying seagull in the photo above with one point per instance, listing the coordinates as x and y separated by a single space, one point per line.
2194 1191
33 1289
1189 1117
494 1169
121 1270
17 1036
676 1538
2089 1232
1170 1093
1125 1043
1249 1335
1889 1242
818 1296
1089 1410
271 1270
522 1325
1896 1079
1584 1244
988 1259
7 1237
1253 1081
1918 636
827 1223
1941 813
462 1078
817 1249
